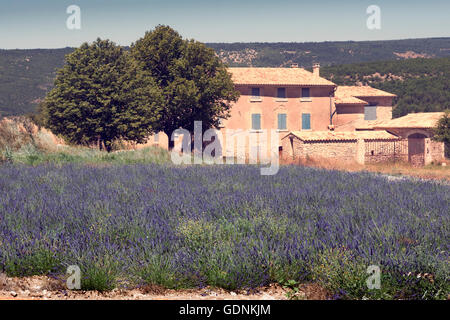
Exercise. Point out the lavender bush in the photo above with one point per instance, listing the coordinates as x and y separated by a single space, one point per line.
225 226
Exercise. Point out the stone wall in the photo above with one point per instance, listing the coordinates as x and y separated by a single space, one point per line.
359 151
377 151
295 148
434 150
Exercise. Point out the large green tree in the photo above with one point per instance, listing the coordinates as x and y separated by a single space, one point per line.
194 83
100 95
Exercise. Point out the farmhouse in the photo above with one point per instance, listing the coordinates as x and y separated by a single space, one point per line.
311 116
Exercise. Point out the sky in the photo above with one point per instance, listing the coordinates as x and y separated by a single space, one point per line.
26 24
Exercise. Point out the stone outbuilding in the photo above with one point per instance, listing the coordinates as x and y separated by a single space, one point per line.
417 130
351 146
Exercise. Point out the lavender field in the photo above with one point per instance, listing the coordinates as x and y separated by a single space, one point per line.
226 226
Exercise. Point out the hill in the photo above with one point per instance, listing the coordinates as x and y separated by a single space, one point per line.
422 85
26 75
329 53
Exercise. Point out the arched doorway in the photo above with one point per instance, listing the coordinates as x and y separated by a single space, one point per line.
416 149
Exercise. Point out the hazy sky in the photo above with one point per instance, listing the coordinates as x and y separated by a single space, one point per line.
42 23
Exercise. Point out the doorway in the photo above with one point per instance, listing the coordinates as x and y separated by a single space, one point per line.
416 149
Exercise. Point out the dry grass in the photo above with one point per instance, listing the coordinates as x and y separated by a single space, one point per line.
432 171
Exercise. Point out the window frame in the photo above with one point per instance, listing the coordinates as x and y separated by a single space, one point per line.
281 99
304 98
254 98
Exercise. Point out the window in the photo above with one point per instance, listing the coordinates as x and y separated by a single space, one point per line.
281 93
256 93
305 93
282 121
256 121
306 121
156 138
370 113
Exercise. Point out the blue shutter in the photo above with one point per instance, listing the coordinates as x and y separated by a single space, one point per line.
281 93
282 121
370 113
306 121
256 121
255 93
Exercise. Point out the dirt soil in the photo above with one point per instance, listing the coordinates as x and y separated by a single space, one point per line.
46 288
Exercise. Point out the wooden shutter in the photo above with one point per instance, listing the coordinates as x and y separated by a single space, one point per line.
370 113
306 121
282 121
256 121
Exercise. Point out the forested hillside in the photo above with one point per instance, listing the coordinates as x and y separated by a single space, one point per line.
422 85
329 53
26 75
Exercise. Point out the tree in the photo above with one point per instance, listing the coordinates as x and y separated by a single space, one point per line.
442 132
98 97
195 84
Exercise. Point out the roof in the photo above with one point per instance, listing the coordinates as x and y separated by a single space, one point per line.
277 76
412 120
349 100
360 92
342 136
361 124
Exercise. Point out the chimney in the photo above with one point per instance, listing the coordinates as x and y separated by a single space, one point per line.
316 69
294 65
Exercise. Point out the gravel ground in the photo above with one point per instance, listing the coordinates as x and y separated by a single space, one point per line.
46 288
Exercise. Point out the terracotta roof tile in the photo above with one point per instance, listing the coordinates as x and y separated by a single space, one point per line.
277 76
349 100
342 136
412 120
361 92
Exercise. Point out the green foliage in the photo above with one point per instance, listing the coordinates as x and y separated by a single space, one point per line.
340 271
194 83
422 85
27 75
281 54
38 262
25 78
98 98
292 286
98 277
90 156
442 132
159 270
